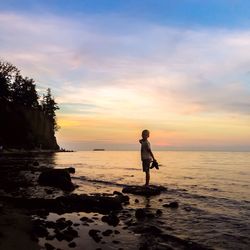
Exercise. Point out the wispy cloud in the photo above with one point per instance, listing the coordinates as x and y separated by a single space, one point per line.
121 68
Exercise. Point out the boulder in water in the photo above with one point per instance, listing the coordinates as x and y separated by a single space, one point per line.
144 190
59 178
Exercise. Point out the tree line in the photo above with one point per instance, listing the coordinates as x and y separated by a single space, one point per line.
20 90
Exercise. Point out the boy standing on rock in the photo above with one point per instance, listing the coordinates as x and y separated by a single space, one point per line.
146 154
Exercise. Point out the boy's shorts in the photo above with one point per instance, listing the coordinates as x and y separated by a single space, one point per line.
146 165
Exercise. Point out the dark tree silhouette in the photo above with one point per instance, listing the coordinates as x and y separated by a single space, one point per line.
23 91
8 73
49 106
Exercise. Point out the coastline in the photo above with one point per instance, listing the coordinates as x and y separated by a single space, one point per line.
102 214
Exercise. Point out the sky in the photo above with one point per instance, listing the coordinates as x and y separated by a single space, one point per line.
180 68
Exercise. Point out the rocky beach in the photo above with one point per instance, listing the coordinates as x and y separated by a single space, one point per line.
39 211
49 205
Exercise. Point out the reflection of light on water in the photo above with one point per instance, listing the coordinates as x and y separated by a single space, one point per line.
212 189
207 170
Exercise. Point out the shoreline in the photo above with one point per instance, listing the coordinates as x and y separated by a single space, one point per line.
78 219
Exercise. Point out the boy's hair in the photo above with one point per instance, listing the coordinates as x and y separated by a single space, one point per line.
145 132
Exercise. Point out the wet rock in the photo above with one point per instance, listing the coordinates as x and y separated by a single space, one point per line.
117 193
86 219
35 163
49 246
140 213
40 230
123 198
152 230
71 170
107 232
158 212
59 236
142 190
50 224
59 178
111 219
69 234
72 244
68 203
95 235
173 204
50 237
48 191
61 224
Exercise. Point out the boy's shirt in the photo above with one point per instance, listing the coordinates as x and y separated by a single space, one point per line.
145 147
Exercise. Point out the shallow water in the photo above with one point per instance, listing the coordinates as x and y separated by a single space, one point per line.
212 188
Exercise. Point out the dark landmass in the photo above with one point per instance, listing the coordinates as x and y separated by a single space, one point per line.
25 128
28 121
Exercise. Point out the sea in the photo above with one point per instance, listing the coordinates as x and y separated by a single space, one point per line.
212 189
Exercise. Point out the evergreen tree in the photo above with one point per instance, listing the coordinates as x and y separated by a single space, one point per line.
49 106
8 73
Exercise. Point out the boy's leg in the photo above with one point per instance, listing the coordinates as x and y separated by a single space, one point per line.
147 178
146 165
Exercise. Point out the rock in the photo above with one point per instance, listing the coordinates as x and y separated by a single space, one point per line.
140 213
123 198
158 212
59 178
111 219
40 231
160 200
142 190
61 224
107 232
49 246
72 244
117 193
35 163
116 241
48 191
59 236
50 224
50 237
68 204
69 234
152 230
86 219
71 170
95 235
116 232
173 204
136 201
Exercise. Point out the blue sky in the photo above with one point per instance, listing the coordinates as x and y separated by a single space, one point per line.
179 68
223 13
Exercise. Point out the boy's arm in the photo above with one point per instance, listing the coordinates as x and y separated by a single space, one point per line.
151 153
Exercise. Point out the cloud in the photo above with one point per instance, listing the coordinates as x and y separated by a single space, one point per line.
110 64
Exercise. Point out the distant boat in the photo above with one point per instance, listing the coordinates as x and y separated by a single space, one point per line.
98 149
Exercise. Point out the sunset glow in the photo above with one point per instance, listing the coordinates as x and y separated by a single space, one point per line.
115 72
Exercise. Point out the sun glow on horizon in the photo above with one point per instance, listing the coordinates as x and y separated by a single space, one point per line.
184 78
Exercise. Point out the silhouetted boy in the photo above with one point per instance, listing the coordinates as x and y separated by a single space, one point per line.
146 154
